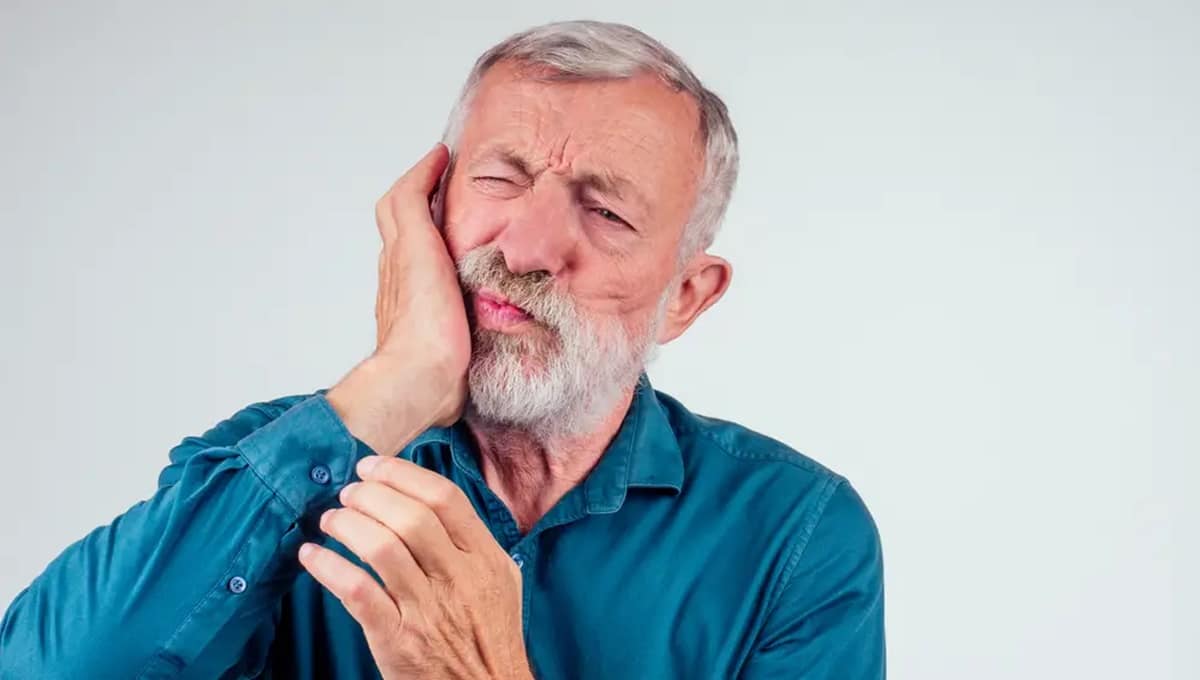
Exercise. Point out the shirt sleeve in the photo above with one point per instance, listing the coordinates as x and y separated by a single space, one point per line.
178 584
827 623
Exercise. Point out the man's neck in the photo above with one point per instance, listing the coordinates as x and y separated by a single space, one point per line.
530 474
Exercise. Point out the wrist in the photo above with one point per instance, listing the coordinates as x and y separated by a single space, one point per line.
383 402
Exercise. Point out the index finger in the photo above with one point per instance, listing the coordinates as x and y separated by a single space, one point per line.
441 495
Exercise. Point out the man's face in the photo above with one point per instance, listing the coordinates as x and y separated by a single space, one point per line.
564 212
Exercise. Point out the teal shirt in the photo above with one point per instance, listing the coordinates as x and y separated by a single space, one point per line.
696 548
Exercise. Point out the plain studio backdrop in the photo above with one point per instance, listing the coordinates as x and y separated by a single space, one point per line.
965 242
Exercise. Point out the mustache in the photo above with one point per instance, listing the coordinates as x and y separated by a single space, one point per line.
534 292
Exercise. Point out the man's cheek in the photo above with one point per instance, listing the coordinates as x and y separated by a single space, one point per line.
467 227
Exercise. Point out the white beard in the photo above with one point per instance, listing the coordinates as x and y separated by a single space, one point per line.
562 379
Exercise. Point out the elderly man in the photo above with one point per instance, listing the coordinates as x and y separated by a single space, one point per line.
497 491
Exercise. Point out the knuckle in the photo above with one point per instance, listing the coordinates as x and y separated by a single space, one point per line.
403 186
378 551
401 194
399 477
385 222
444 496
382 209
389 466
358 590
410 524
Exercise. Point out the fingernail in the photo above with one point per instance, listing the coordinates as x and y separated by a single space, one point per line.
345 492
367 464
325 517
306 549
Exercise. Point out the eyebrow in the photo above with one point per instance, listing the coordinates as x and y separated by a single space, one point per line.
608 182
605 181
504 155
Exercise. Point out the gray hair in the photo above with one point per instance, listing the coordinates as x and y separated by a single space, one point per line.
594 50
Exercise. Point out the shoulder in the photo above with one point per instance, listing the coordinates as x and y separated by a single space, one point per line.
787 489
742 451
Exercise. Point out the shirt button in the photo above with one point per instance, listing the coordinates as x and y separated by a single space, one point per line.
519 559
319 474
236 584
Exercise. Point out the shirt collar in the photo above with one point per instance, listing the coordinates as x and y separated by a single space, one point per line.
643 454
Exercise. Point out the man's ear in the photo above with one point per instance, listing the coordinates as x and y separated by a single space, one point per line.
704 281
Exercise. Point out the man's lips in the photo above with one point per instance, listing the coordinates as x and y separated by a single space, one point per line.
495 311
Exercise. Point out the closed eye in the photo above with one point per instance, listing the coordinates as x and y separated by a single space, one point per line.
610 216
498 187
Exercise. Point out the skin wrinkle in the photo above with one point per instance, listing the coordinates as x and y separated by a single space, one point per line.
636 128
603 180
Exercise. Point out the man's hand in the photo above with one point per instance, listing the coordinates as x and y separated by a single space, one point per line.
417 374
450 604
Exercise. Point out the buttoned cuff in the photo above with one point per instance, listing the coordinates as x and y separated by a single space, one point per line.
305 456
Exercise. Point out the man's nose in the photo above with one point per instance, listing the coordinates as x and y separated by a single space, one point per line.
543 235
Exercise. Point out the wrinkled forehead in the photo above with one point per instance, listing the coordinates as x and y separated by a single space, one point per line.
638 128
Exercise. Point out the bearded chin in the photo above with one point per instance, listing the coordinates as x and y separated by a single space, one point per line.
557 384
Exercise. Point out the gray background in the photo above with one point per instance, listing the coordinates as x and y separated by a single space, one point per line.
965 242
